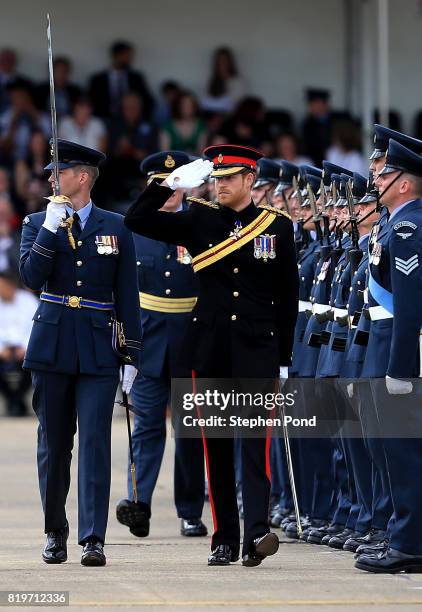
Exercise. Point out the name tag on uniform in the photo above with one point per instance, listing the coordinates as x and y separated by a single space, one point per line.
107 245
264 247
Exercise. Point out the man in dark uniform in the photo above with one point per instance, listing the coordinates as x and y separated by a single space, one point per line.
168 291
243 322
87 276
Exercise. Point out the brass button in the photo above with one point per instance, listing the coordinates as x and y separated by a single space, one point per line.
79 263
39 317
210 244
303 278
350 289
347 305
235 270
194 319
272 333
109 324
359 282
236 293
167 273
79 242
168 291
138 263
79 283
234 317
168 256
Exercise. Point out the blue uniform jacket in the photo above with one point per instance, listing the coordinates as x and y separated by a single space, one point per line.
306 266
161 274
331 356
320 294
393 346
72 340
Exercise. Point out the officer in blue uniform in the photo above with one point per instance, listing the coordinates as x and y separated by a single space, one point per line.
168 290
396 320
86 273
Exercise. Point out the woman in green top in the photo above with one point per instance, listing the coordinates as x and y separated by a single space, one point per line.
185 131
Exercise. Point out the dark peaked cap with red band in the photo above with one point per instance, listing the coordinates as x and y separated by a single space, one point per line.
232 159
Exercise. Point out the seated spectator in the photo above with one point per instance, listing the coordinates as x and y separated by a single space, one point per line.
286 147
18 122
169 92
345 148
30 176
8 191
9 238
317 125
108 87
17 307
84 129
225 87
66 93
8 75
247 126
185 131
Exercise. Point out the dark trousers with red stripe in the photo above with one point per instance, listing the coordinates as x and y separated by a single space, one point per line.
256 486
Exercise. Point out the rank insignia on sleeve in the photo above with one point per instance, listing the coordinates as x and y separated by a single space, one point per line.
406 266
264 247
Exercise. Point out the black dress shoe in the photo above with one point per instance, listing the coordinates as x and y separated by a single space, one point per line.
373 549
317 536
314 524
193 528
374 536
136 516
222 555
390 562
338 540
262 547
291 529
55 549
93 553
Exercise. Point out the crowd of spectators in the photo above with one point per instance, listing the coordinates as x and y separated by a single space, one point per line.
117 113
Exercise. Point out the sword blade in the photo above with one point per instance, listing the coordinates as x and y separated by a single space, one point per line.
55 156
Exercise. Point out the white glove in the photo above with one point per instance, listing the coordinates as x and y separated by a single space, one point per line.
190 175
395 386
54 216
350 390
128 374
284 372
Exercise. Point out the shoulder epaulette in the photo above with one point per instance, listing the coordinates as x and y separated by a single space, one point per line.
275 210
202 201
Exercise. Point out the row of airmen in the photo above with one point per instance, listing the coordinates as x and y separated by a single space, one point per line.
356 353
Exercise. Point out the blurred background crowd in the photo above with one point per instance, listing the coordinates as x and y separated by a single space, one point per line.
116 112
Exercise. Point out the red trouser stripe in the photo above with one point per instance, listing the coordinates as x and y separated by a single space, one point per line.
207 461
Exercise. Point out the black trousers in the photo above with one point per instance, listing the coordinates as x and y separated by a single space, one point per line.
256 486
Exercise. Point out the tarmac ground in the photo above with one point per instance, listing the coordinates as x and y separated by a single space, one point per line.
167 571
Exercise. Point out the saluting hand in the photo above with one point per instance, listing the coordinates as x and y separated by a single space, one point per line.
190 175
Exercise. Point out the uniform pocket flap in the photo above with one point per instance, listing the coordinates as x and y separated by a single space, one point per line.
48 313
100 319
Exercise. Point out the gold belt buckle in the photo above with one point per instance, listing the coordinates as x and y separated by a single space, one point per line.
74 301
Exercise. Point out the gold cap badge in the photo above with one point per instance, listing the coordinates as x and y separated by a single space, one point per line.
220 158
169 163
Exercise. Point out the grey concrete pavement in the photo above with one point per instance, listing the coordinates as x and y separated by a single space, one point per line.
165 570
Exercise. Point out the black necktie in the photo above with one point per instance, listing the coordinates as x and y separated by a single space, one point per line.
76 227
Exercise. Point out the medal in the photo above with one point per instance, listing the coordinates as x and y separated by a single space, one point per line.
324 269
183 256
264 247
100 245
114 245
376 254
236 232
108 248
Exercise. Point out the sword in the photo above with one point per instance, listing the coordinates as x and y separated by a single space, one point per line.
56 197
